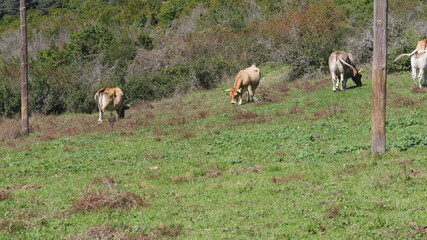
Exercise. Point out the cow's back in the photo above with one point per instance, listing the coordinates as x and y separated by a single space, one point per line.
110 99
251 76
336 67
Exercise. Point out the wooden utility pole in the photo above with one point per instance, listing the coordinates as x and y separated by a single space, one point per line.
379 77
24 69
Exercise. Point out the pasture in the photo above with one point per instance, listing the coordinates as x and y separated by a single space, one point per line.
294 165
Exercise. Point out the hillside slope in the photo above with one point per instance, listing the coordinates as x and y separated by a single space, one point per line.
156 48
294 165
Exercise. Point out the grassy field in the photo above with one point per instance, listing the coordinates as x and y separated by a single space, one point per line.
294 165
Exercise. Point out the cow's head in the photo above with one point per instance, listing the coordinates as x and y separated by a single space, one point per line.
234 94
357 77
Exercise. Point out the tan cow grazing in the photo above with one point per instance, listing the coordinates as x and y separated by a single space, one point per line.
342 67
246 80
111 99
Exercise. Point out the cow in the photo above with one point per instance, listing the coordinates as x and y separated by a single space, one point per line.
418 64
422 45
342 67
111 99
246 80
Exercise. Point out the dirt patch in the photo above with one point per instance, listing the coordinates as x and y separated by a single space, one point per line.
187 135
98 200
167 231
243 116
332 212
417 231
202 114
328 112
401 101
4 195
416 89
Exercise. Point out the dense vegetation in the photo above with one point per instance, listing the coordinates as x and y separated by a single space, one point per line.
154 49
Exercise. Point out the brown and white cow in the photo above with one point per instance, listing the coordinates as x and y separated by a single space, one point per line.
111 99
246 80
342 67
418 62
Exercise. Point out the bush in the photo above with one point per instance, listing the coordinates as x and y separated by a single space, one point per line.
406 43
92 39
10 98
209 72
315 32
162 84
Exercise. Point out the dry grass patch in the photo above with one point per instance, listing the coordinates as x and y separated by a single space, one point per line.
180 179
401 101
107 181
243 116
187 135
10 128
332 212
416 89
212 173
99 200
4 195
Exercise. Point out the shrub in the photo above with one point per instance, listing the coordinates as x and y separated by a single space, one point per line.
162 84
92 39
406 43
10 98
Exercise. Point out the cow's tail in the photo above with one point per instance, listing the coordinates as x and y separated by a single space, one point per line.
355 72
97 97
405 54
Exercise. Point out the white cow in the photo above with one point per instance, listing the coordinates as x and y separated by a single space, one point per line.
418 64
342 67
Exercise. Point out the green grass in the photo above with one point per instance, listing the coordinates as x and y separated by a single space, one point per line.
294 168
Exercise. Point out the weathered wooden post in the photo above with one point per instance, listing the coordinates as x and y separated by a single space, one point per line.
24 69
379 77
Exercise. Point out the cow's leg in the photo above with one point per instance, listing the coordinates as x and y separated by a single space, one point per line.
342 81
249 93
334 80
425 78
414 75
100 116
253 95
420 77
240 98
344 84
